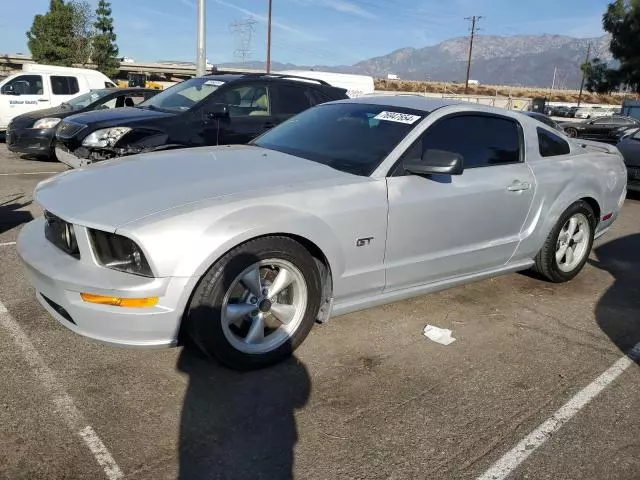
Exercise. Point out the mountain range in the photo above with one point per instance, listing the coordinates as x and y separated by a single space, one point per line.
519 60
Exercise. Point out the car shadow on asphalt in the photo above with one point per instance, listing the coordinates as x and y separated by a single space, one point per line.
239 425
617 311
10 214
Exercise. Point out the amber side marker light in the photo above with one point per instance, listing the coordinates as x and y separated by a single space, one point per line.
120 302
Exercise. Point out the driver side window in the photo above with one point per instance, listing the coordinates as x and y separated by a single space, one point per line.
481 140
248 100
24 85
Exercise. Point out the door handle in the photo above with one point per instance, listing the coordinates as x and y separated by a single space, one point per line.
518 186
43 100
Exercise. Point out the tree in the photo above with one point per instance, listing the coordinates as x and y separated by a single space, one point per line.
83 31
622 21
105 51
599 77
51 35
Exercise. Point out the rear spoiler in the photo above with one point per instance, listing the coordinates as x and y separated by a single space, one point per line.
598 146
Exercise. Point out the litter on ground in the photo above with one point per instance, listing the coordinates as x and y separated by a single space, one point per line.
439 335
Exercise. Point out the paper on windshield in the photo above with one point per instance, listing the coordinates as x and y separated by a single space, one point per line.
213 83
397 117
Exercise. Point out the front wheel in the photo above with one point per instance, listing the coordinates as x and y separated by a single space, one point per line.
571 132
256 304
568 245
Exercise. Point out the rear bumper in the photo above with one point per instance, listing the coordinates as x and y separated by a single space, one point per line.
59 279
31 141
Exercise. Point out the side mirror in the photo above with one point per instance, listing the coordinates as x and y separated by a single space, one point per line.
8 90
436 162
218 110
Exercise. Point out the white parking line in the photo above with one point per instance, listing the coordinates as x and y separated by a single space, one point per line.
518 454
63 402
7 244
26 173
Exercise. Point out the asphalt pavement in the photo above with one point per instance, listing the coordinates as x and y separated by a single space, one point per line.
367 396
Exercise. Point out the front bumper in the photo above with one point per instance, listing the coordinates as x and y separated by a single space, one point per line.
59 279
31 141
65 156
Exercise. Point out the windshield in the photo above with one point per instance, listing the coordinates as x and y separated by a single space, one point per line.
86 99
182 96
351 137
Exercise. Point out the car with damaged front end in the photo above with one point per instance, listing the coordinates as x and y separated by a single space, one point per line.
210 110
348 205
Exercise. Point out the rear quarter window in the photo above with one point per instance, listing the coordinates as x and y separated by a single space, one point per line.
551 145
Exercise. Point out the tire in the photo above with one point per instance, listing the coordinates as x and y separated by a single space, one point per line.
224 291
546 262
571 132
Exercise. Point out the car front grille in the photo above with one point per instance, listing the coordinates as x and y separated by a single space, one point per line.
61 234
68 129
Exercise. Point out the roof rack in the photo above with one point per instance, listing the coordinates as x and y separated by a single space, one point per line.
284 75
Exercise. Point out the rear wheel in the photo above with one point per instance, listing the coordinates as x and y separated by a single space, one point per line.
568 245
256 304
571 132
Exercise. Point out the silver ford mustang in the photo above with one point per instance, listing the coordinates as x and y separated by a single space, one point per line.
348 205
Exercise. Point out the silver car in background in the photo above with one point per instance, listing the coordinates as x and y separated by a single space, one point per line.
348 205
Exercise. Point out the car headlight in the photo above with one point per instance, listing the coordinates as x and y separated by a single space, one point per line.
44 123
119 253
106 137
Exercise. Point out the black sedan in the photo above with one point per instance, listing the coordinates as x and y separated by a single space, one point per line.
34 132
603 129
630 148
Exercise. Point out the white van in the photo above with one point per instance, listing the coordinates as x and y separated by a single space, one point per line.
356 85
45 86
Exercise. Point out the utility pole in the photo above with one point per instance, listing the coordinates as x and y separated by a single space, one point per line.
269 40
584 74
201 59
553 83
474 20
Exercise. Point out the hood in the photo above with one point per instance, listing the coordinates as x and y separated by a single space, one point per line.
118 116
109 194
27 119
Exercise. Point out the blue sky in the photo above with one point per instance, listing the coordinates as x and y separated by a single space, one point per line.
328 32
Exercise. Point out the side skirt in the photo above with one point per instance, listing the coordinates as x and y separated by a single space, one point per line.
343 308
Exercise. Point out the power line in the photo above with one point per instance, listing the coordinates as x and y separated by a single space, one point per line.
243 33
474 21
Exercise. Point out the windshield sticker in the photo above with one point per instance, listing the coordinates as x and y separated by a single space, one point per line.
397 117
213 83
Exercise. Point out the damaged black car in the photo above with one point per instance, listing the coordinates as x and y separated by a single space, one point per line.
209 110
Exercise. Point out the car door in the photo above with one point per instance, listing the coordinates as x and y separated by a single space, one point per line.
600 127
443 226
22 94
63 88
250 114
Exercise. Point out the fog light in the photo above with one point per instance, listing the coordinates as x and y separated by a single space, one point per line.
120 302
